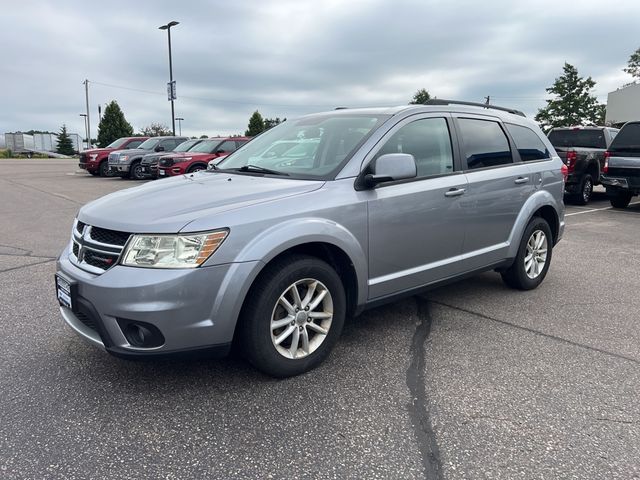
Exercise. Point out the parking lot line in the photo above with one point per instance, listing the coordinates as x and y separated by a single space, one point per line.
594 210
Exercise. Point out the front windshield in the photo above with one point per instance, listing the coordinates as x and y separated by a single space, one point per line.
185 146
149 144
208 146
311 147
118 143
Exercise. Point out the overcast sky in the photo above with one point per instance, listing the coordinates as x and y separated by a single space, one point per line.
290 57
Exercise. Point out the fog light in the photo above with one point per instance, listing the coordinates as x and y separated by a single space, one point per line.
141 334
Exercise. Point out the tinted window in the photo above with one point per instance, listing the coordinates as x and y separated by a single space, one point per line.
239 143
168 145
485 144
529 145
134 144
428 141
227 146
577 138
628 138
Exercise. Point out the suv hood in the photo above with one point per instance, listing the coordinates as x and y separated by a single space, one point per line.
167 206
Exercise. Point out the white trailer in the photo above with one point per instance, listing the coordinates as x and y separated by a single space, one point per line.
19 142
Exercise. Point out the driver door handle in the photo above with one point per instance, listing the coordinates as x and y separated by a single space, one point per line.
454 192
521 180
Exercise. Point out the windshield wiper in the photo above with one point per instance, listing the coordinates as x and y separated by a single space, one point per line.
256 168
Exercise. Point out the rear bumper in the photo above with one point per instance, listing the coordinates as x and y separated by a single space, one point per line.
630 184
194 309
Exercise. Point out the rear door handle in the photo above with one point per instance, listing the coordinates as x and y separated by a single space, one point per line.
521 180
454 192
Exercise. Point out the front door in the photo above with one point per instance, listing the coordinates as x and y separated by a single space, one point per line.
417 227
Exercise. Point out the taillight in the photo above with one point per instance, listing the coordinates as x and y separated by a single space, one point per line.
572 156
605 168
565 172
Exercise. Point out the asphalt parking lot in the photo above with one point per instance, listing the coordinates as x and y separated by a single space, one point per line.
472 380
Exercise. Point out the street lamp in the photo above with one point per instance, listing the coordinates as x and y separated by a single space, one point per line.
86 131
180 119
171 90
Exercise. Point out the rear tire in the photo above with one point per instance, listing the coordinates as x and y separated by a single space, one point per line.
285 333
534 257
586 190
620 200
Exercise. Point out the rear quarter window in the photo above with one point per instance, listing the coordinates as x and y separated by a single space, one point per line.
529 145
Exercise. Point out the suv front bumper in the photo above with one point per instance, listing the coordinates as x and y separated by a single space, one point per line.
193 309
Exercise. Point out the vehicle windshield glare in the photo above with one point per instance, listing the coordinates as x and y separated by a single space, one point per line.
208 146
311 147
118 143
149 144
185 146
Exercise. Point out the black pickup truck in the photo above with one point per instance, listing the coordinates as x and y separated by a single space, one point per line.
621 175
582 150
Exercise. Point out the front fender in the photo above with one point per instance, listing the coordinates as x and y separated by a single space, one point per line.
541 198
291 233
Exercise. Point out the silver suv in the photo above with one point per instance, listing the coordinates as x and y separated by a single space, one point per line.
274 247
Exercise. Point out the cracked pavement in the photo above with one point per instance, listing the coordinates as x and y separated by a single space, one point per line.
471 380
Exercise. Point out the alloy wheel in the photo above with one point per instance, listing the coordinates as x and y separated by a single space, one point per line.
536 257
301 318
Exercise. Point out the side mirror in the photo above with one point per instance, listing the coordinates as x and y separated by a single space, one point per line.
390 167
160 149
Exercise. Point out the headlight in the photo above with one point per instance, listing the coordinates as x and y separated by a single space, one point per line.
172 251
93 156
123 158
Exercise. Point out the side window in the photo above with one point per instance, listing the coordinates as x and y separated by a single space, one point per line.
429 142
485 144
529 145
240 143
168 145
134 144
227 146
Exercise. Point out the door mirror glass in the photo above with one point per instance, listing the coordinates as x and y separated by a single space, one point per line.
391 167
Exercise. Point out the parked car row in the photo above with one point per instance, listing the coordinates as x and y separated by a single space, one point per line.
600 155
141 158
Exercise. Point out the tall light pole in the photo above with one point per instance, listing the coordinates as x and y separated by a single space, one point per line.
171 89
180 119
86 130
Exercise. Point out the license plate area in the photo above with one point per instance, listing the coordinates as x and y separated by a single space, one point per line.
66 291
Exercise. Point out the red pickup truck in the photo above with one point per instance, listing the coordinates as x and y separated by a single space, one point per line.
95 162
199 156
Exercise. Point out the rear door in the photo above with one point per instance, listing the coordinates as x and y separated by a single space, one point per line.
416 226
499 185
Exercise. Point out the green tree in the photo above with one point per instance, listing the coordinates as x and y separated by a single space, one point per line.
601 113
256 125
204 136
113 125
633 65
65 145
155 130
272 122
574 104
420 97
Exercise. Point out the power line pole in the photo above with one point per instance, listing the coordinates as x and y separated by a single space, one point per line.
86 93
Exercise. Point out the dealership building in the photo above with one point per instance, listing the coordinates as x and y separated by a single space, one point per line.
623 105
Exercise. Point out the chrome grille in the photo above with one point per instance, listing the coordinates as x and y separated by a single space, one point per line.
113 158
96 249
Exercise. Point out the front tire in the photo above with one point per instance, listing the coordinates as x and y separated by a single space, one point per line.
534 257
104 169
136 172
293 316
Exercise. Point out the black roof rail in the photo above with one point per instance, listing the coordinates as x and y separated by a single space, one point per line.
439 101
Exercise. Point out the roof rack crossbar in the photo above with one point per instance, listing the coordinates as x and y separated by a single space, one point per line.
439 101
